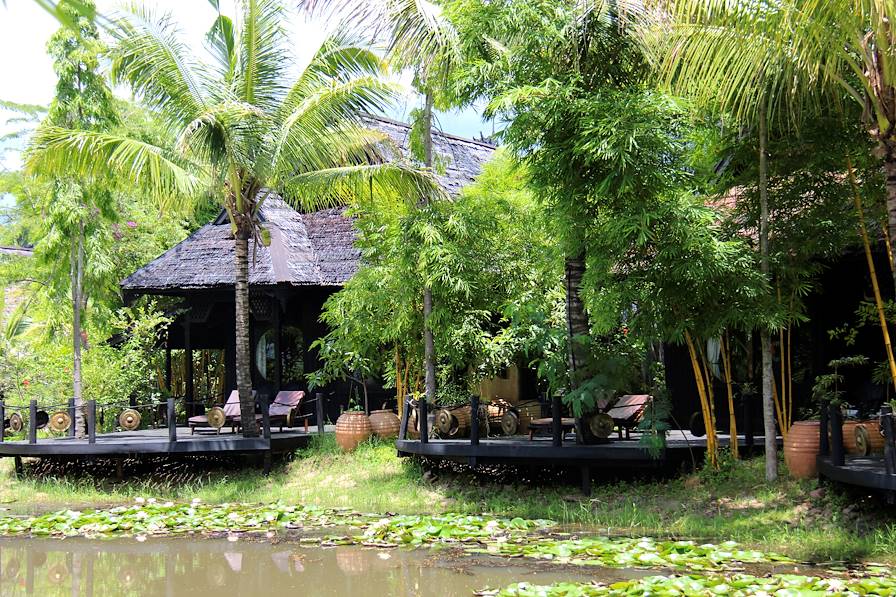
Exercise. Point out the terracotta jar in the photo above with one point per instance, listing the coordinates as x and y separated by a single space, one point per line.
352 428
385 423
801 449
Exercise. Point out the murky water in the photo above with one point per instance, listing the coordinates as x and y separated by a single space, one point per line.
213 567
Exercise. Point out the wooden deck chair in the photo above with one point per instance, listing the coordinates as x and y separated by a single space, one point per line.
284 410
231 409
628 411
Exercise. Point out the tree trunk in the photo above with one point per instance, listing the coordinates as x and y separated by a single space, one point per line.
77 278
429 350
890 172
768 407
243 373
576 319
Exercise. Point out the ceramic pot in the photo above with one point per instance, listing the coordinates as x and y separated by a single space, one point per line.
352 428
801 449
385 423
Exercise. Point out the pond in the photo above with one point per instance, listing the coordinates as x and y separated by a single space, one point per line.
198 567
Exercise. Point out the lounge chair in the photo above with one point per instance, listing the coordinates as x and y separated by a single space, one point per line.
628 411
231 413
284 410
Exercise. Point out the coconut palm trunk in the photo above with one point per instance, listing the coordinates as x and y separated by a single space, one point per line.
241 301
768 407
576 318
890 173
429 348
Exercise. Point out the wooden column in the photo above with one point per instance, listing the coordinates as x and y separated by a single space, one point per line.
824 445
278 347
188 366
836 418
168 362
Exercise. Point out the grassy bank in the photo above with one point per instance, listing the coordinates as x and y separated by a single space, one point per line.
792 517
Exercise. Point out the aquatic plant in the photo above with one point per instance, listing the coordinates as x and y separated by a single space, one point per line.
735 586
625 552
447 528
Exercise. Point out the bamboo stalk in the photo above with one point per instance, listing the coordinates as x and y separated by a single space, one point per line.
889 246
732 422
778 409
874 285
701 391
790 376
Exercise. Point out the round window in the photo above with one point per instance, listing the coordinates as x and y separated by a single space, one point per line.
266 355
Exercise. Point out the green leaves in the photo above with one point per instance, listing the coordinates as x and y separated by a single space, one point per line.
447 528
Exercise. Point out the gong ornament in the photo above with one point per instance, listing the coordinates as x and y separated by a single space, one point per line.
16 422
601 425
129 419
216 417
60 421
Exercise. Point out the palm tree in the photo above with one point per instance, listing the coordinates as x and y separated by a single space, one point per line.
242 127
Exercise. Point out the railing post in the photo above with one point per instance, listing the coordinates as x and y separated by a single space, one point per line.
32 422
423 420
320 412
91 421
172 421
556 422
72 413
265 417
2 420
837 456
824 430
405 418
889 429
474 421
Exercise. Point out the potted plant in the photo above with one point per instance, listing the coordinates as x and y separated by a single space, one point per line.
353 426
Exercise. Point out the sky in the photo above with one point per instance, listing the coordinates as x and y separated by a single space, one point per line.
26 72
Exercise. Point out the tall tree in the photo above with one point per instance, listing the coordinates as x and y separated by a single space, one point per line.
541 65
83 102
244 127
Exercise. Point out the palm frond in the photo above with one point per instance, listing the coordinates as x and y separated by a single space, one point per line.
422 38
158 66
355 184
227 133
262 59
56 151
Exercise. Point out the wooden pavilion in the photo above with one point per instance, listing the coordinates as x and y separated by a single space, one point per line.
311 255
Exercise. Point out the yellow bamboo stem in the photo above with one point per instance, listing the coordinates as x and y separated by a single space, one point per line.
701 391
889 246
729 383
874 285
778 408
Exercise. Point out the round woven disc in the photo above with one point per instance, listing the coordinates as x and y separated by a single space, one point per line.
601 425
129 419
443 421
510 423
216 417
863 441
16 422
60 421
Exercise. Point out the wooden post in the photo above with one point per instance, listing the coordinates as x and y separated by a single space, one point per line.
188 367
889 429
72 413
405 418
265 419
32 422
3 420
278 344
824 430
172 421
167 367
837 456
320 412
556 422
91 421
474 421
423 420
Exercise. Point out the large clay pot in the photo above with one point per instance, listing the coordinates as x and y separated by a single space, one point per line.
385 423
801 449
352 428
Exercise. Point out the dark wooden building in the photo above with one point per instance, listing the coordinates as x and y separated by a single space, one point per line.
311 255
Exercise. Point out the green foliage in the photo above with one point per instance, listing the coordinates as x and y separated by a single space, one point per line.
488 259
738 585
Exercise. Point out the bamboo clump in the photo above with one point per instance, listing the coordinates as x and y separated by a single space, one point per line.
871 270
725 345
712 448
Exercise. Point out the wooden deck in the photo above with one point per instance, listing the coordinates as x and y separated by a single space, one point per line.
681 446
861 471
157 441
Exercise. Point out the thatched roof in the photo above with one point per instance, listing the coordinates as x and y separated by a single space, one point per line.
307 249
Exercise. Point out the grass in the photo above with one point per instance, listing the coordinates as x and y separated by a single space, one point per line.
789 517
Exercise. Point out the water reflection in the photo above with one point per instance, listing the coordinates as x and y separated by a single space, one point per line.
169 567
